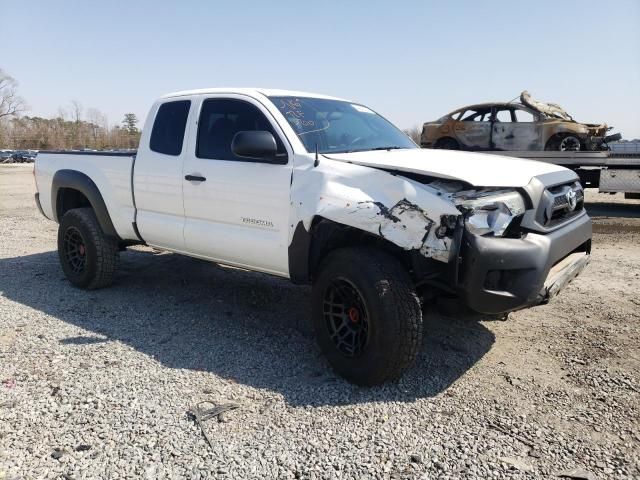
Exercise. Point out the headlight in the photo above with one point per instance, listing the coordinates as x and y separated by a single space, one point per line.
492 212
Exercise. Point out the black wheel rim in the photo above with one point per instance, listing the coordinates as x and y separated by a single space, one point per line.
75 250
346 317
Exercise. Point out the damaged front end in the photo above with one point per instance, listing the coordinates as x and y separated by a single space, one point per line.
409 226
482 245
506 262
485 212
491 212
496 264
597 138
593 135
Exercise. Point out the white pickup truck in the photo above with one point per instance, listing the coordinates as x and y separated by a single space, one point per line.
324 192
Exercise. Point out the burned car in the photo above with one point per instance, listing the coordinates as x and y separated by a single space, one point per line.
512 126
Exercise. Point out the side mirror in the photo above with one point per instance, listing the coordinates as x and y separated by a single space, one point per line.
256 145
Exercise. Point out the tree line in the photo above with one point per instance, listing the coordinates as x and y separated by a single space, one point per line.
73 128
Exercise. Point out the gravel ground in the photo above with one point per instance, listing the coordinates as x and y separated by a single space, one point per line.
98 384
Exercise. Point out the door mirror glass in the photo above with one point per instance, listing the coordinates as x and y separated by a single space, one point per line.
256 145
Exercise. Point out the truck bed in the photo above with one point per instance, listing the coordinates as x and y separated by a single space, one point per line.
110 171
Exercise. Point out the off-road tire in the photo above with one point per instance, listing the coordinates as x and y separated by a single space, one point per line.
447 143
392 306
101 253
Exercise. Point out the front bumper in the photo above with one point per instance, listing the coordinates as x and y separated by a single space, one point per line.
500 275
596 142
561 275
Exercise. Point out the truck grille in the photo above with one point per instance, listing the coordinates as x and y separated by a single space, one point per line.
562 202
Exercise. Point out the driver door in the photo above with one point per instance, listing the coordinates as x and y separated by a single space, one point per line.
236 210
473 130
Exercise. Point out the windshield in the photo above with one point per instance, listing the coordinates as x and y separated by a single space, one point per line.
334 126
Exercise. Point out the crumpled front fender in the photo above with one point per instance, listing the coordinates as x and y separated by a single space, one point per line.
408 214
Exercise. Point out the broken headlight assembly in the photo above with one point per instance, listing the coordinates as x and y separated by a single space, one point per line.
491 212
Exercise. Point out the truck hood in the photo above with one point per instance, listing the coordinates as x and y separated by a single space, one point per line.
477 169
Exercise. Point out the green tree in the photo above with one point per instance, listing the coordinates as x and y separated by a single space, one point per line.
129 123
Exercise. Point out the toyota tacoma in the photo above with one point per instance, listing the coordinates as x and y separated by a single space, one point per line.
325 192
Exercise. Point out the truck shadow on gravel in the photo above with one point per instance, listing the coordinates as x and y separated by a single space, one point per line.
245 327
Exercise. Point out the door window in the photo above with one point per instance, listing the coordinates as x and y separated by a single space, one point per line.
221 119
457 115
503 115
167 134
477 115
523 116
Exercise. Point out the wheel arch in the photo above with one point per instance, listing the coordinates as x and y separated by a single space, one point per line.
445 138
562 130
309 247
73 189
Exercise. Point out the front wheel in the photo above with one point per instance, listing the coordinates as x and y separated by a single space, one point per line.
564 143
366 315
88 258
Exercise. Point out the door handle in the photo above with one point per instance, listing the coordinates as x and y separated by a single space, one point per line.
194 178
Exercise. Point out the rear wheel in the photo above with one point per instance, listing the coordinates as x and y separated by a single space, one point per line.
366 315
88 258
447 144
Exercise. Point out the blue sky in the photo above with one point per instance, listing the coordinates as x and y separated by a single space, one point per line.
410 60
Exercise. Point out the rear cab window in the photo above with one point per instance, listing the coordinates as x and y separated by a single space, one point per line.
167 135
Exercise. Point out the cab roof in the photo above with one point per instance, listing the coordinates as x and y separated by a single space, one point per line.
252 92
493 104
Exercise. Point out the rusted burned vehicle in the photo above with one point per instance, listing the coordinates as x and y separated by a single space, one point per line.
512 126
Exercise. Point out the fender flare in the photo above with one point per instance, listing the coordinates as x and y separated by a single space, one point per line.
299 261
304 250
82 183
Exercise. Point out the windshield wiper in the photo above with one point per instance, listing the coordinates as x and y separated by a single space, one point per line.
392 147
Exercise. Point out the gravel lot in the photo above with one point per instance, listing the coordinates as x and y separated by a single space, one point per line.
98 384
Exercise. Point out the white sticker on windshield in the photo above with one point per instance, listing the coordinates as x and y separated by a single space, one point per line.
361 108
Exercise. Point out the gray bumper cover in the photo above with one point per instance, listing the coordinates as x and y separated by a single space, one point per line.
500 275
